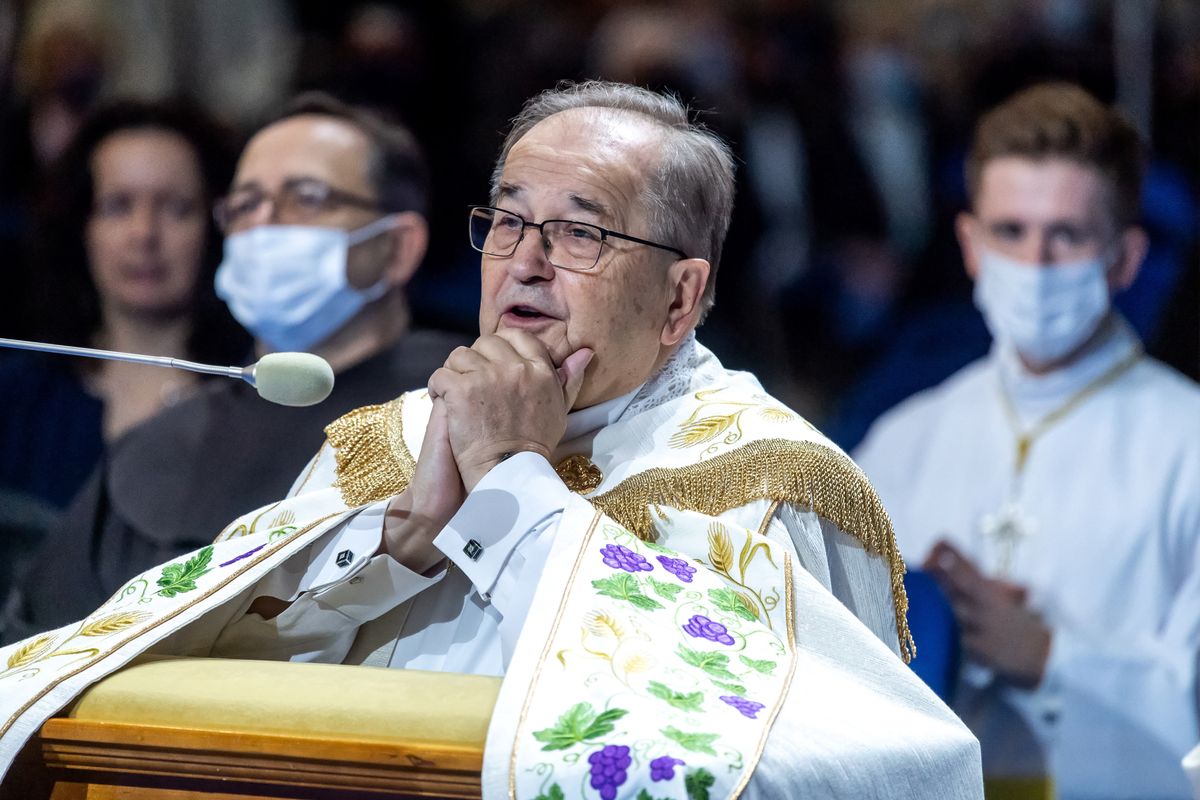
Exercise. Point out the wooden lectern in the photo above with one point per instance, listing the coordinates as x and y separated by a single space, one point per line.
191 728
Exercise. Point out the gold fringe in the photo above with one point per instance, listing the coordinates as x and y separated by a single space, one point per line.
373 462
803 473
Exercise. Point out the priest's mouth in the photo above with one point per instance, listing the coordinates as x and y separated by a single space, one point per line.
526 317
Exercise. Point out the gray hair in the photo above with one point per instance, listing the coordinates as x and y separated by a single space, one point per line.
689 199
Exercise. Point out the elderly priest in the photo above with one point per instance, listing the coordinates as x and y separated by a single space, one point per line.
688 590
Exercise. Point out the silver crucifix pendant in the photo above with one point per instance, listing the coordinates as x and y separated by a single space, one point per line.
1006 529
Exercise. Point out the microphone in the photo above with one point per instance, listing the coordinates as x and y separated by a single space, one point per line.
289 379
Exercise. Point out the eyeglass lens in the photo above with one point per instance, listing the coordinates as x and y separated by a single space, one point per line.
570 245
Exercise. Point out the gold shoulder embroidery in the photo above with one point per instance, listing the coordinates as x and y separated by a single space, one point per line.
806 474
373 462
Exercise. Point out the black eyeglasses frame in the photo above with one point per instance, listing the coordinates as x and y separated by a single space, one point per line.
605 233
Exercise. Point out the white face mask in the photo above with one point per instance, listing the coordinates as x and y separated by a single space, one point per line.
1044 312
287 285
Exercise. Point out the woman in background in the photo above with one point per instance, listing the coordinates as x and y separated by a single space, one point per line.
123 256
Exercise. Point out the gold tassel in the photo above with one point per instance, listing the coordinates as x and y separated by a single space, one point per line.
372 460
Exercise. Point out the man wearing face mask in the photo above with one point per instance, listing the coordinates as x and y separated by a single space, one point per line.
325 226
1053 488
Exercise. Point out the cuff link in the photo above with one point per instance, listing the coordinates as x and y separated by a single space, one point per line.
344 558
473 550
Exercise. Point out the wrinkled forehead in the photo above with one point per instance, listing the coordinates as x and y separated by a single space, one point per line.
599 156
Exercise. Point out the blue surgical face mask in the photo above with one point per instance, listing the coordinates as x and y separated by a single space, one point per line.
287 284
1043 311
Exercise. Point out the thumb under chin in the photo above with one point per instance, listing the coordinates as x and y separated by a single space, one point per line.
572 370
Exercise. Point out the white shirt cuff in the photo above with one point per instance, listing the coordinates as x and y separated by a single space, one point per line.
510 502
347 576
346 553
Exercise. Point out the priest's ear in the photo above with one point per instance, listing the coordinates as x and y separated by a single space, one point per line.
686 278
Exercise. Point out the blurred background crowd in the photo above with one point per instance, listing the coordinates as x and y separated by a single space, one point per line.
842 285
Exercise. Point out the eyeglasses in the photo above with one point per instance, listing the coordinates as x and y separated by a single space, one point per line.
298 201
569 245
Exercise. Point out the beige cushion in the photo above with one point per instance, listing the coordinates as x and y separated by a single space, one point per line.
325 701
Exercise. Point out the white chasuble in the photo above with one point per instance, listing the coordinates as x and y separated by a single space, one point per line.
691 632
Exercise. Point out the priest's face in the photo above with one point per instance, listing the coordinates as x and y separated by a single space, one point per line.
1047 212
638 302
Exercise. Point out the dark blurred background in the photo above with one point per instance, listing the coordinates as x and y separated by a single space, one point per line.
841 284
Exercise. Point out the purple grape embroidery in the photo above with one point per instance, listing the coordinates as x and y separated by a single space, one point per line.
678 567
609 767
748 708
618 556
704 628
663 769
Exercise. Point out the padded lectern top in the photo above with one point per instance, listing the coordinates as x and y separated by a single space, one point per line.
326 701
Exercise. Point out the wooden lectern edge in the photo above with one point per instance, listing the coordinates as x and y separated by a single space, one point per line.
91 757
391 752
121 754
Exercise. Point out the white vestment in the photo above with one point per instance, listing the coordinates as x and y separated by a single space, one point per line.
845 717
1108 515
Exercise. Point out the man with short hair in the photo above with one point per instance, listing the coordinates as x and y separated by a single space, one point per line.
664 563
325 225
1053 487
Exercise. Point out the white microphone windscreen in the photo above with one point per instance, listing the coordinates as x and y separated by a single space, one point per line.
293 379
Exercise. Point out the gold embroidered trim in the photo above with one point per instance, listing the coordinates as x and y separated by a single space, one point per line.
766 520
803 473
787 681
311 468
373 462
545 656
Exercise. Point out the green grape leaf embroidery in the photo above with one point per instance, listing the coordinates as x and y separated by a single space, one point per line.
580 723
715 664
667 591
763 666
736 688
728 600
178 578
696 742
645 795
656 547
279 533
624 586
553 793
697 782
684 702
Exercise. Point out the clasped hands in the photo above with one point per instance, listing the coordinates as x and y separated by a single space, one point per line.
501 396
999 629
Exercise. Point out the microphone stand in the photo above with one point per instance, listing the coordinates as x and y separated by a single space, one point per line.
243 373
